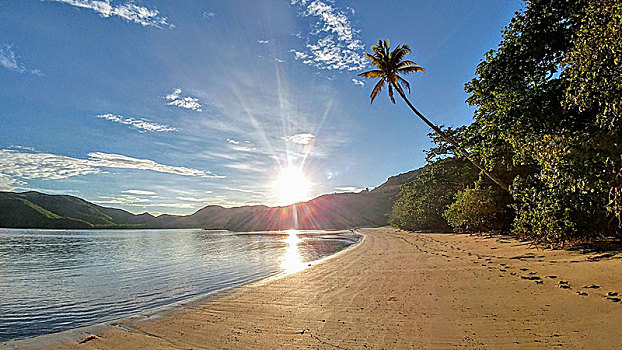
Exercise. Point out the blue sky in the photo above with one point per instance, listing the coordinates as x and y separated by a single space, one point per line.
168 106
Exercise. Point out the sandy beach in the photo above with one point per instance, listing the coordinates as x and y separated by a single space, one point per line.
400 290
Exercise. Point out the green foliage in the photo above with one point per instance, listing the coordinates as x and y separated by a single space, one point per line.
548 120
479 210
594 75
421 203
548 103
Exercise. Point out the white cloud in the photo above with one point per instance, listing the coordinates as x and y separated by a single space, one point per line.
208 15
108 160
301 139
194 199
128 11
279 60
140 124
263 41
244 148
333 42
233 142
123 200
139 192
245 191
358 82
6 183
43 165
349 189
26 166
187 102
10 60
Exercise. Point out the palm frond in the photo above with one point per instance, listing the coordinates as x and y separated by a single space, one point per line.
399 53
372 74
403 81
377 89
391 93
388 64
405 63
411 69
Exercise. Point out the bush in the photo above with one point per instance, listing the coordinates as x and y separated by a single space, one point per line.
479 210
421 203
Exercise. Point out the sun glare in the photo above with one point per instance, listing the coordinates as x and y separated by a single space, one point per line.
292 261
291 186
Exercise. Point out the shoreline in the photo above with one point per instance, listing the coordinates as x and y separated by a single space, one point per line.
403 290
78 333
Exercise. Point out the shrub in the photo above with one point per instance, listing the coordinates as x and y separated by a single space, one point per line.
479 210
421 203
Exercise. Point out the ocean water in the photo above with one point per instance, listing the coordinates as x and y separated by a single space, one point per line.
54 280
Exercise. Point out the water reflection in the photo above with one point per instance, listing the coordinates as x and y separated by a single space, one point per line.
53 280
292 261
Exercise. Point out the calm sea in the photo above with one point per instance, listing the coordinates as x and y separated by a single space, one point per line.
53 280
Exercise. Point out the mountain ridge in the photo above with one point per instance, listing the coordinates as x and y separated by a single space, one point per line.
33 209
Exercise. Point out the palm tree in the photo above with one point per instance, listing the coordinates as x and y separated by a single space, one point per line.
389 65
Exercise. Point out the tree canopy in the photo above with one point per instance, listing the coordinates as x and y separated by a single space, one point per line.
547 120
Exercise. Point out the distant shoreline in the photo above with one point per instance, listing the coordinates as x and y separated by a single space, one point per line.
402 290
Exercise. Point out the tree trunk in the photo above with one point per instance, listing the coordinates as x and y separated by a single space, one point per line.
451 141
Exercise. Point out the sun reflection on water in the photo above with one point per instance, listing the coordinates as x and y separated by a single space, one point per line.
291 261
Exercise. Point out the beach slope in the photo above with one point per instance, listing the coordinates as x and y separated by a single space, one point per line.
399 290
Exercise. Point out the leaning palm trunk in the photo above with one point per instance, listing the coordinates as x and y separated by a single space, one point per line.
389 64
453 142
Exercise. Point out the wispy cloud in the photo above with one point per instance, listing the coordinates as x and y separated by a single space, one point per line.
187 102
263 41
244 148
139 192
123 199
349 189
25 166
358 82
128 11
208 15
11 61
7 183
140 124
233 142
194 199
243 190
332 43
110 160
301 139
43 165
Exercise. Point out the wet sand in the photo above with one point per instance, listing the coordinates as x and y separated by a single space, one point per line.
399 290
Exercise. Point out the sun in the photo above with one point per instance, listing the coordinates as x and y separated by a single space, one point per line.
291 186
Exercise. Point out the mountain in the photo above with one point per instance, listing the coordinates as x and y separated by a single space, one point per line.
329 211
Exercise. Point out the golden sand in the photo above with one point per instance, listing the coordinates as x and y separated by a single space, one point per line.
399 290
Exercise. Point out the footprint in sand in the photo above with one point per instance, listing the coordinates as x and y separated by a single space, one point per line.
593 286
612 294
582 293
530 278
614 299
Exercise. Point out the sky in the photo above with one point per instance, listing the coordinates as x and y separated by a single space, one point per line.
169 106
